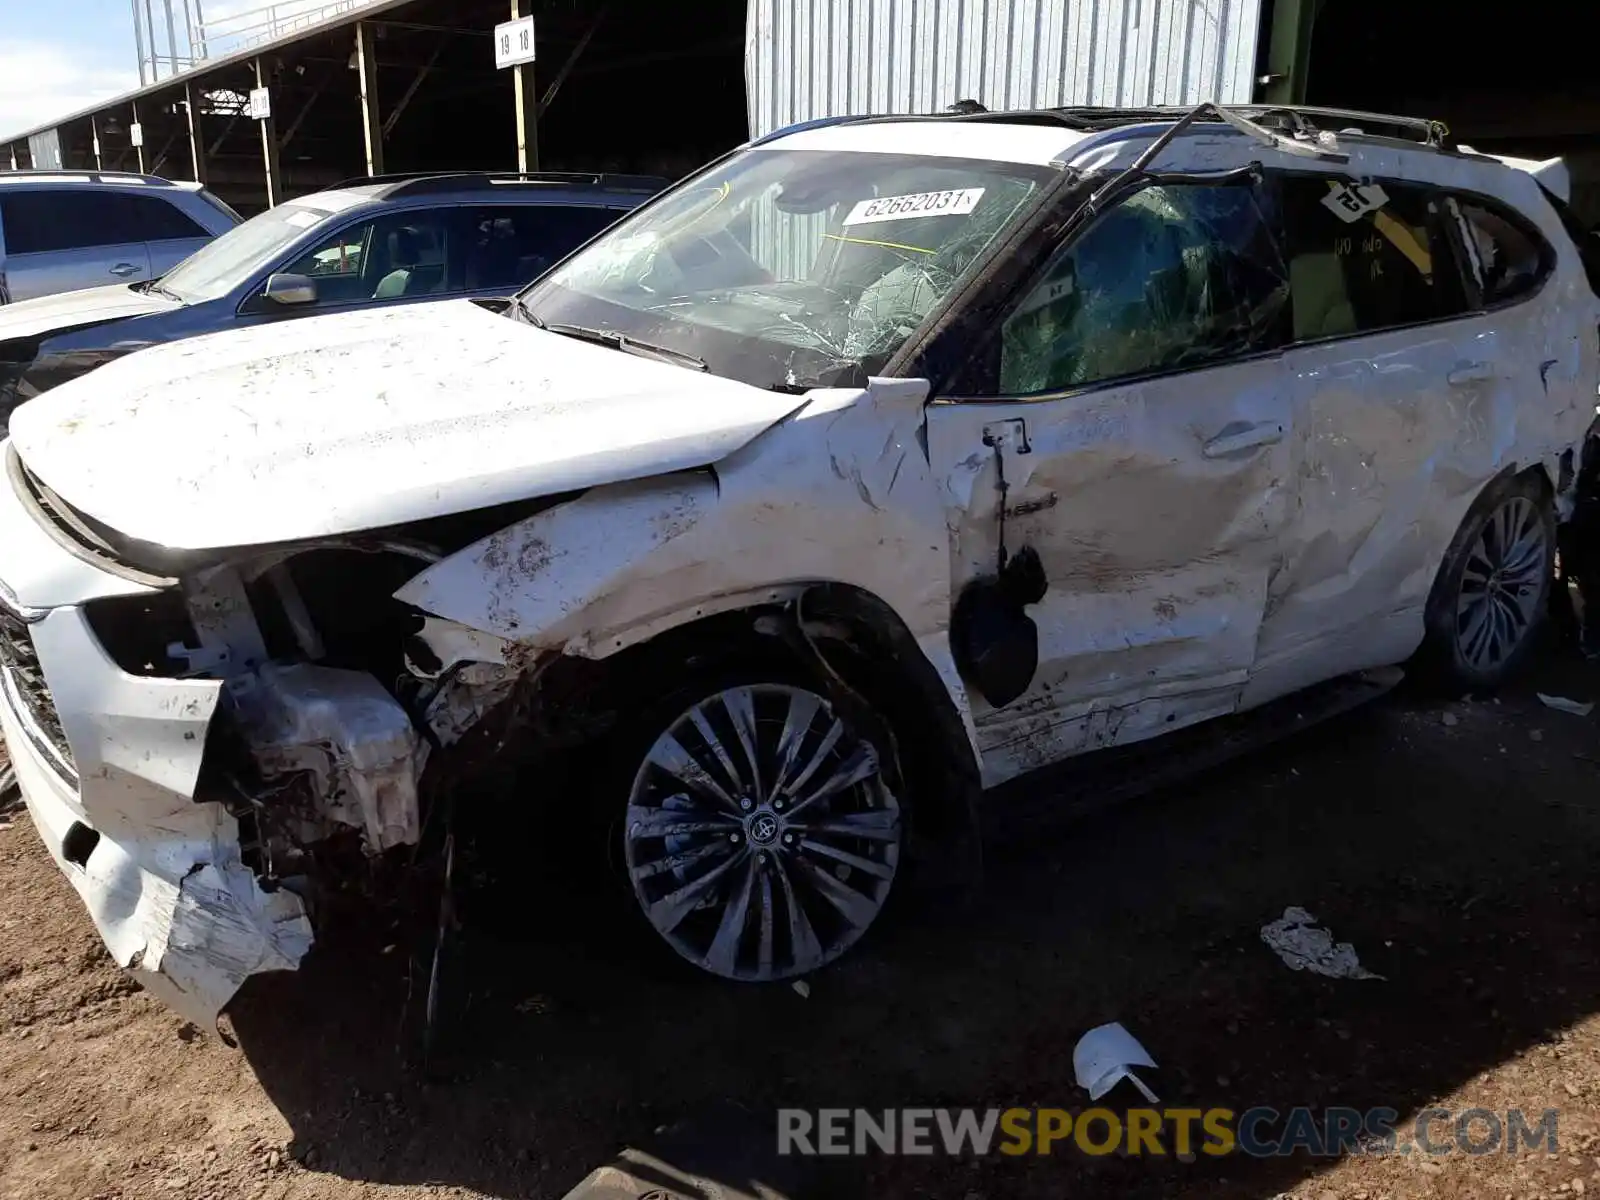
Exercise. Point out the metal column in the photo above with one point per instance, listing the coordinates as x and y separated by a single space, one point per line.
138 40
138 150
197 141
172 37
1289 51
371 118
94 142
269 146
527 109
150 41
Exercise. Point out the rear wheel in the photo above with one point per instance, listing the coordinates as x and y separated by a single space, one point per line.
1494 587
761 840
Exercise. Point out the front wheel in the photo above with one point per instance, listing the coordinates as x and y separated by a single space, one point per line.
1494 587
761 839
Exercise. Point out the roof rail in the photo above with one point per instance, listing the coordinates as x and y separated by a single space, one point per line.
1298 118
423 182
803 126
92 174
1427 131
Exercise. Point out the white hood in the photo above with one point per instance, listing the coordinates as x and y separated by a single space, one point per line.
73 310
330 425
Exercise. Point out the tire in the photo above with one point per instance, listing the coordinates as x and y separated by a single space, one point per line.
1492 592
754 874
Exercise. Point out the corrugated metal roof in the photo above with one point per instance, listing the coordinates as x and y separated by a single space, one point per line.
821 58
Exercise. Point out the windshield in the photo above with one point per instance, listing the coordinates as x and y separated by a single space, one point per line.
222 265
791 268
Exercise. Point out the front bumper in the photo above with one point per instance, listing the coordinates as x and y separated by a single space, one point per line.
159 872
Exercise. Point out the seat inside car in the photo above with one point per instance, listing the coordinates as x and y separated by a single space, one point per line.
409 276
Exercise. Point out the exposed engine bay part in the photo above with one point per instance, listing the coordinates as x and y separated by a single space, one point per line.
308 749
340 735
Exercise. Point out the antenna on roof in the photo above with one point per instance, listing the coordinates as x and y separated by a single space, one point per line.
965 108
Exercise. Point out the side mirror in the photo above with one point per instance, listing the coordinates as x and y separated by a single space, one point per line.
291 289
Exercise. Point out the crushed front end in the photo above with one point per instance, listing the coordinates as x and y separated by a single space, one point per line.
200 752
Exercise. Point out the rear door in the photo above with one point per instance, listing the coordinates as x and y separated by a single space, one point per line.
64 239
1391 386
509 246
170 235
1132 428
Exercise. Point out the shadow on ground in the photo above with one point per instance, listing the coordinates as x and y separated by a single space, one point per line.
1458 856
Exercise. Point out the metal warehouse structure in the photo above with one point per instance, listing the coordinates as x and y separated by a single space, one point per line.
660 86
828 57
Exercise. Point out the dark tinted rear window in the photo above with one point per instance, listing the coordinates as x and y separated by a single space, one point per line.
40 221
512 246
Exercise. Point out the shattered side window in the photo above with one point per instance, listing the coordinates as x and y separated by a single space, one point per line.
1366 257
1172 278
1507 259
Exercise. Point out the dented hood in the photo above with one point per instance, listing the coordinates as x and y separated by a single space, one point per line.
329 425
73 310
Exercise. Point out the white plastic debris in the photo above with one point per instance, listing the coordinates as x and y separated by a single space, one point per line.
1304 946
801 989
1102 1059
1562 704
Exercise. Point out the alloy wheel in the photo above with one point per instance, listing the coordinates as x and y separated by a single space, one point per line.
761 840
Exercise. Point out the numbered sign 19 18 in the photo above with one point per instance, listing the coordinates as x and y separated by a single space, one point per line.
514 42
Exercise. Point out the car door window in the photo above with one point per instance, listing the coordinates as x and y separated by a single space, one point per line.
510 247
1173 277
44 221
47 221
398 256
1364 258
153 219
1506 259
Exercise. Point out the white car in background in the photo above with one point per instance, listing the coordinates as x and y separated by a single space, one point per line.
876 465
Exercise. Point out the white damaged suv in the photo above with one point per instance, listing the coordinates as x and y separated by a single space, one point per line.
876 465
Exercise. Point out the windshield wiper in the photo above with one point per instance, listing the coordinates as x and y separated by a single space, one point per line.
520 306
621 341
154 287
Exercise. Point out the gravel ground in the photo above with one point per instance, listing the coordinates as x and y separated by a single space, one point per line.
1452 843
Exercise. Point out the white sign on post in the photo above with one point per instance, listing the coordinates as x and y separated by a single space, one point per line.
513 43
260 104
136 134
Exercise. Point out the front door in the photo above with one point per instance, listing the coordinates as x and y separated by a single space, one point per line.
1133 403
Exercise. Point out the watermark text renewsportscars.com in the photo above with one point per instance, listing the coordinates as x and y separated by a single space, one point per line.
1260 1132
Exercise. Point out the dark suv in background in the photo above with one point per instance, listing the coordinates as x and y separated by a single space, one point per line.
384 241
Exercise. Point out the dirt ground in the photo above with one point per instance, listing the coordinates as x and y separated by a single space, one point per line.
1453 843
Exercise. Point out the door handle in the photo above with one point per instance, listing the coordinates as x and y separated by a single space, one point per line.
1239 436
1478 372
123 270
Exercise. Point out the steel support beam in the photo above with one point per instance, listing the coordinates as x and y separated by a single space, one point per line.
572 60
527 109
269 146
393 118
197 141
94 144
172 37
161 157
133 106
300 117
1289 51
138 41
371 119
